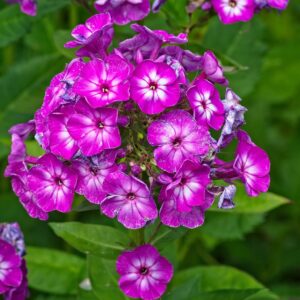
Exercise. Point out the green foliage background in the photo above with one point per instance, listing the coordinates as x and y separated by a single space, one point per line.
263 57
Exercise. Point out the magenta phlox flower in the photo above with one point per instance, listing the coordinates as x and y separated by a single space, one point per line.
144 273
128 198
94 37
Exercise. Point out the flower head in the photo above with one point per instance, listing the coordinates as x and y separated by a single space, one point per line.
252 165
28 7
104 82
154 87
144 273
128 198
94 130
94 37
124 11
205 100
231 11
177 137
52 184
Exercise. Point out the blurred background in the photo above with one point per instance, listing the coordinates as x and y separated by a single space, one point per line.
264 59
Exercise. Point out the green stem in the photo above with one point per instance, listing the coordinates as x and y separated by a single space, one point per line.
155 232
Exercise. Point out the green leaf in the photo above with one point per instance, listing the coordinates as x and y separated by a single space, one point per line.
14 24
238 45
253 205
53 271
214 281
100 240
225 226
104 278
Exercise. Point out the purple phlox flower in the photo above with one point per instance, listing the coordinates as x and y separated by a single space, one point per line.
21 292
94 129
148 42
61 142
205 100
144 273
28 7
171 217
206 6
189 60
135 169
177 137
10 267
188 188
94 37
52 184
234 118
252 165
11 233
154 87
178 68
104 82
23 130
226 198
123 121
92 172
157 5
232 11
212 69
124 11
129 199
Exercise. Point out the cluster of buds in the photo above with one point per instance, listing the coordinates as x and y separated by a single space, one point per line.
13 273
129 128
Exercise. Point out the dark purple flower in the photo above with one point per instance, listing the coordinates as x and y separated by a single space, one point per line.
61 142
144 273
154 87
232 11
177 137
171 217
128 198
212 70
94 37
148 42
104 82
91 174
10 267
188 188
252 165
28 7
205 100
124 11
94 129
52 184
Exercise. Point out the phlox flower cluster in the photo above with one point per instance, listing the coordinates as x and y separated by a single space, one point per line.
129 128
13 273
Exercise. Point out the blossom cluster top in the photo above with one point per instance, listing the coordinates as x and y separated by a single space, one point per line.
13 273
28 7
130 131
